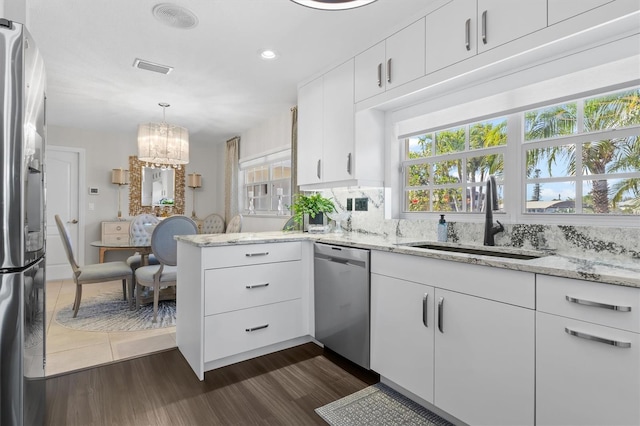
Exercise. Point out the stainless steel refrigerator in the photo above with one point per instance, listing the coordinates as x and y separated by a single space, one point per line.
22 230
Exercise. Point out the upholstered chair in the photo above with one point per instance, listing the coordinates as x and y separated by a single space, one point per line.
165 249
235 224
94 273
213 224
142 226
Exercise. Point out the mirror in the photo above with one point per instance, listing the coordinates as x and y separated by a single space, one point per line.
155 191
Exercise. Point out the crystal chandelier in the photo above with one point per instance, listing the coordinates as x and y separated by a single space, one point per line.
163 144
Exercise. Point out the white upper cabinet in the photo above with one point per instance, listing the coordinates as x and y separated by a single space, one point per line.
559 10
463 28
392 62
310 131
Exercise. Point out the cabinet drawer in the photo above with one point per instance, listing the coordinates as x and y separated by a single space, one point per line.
230 289
610 305
115 238
244 330
121 228
250 254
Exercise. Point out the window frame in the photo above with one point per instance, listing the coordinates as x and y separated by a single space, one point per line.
268 161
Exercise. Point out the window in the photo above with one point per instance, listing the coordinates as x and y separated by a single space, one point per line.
445 171
577 157
584 156
267 182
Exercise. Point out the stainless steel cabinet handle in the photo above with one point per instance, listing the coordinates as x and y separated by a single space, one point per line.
265 253
260 327
484 27
380 75
349 163
74 221
425 307
250 286
389 70
598 304
318 169
467 34
597 339
440 313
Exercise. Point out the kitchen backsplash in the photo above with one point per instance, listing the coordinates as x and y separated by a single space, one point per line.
566 239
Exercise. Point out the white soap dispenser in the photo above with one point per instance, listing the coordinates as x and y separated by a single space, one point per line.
442 229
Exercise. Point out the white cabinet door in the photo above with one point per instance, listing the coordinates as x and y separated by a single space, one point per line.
585 382
391 63
484 360
310 132
405 55
338 148
559 10
369 72
451 34
501 21
402 328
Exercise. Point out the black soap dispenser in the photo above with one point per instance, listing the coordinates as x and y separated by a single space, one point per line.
442 229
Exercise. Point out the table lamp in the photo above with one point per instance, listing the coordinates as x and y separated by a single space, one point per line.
119 177
194 180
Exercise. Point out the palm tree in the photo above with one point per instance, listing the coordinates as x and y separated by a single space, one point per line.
599 157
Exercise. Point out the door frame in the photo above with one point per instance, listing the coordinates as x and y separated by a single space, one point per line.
79 251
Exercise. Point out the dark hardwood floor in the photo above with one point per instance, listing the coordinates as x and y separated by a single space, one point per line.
283 388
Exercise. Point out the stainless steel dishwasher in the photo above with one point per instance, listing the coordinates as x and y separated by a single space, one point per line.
341 290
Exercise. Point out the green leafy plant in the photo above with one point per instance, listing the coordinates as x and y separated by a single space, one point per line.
311 205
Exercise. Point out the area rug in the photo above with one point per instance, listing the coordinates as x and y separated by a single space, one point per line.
107 312
378 405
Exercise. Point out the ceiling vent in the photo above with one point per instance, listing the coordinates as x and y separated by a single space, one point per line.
175 16
150 66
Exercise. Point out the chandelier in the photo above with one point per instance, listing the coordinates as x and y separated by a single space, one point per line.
163 144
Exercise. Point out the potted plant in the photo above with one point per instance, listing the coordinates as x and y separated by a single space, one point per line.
314 206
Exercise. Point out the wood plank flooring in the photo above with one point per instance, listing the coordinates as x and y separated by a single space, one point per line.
282 388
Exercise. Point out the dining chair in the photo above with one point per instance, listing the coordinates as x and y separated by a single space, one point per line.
141 226
235 224
290 225
93 273
213 224
165 249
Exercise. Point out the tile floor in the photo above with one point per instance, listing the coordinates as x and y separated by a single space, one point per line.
69 350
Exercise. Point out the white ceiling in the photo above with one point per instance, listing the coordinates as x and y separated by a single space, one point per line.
220 86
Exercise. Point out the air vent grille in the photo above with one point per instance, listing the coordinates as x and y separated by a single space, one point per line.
150 66
175 16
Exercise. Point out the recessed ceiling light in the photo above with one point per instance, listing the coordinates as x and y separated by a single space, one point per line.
333 4
268 54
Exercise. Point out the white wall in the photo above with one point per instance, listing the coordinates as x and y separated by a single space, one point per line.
106 151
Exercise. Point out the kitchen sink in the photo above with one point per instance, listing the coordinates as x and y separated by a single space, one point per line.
504 252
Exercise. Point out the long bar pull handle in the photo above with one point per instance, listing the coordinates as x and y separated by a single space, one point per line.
318 168
598 304
484 27
440 313
467 34
260 327
349 163
425 308
251 286
597 339
264 253
380 74
389 70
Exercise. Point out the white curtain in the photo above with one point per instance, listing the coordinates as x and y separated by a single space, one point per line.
231 207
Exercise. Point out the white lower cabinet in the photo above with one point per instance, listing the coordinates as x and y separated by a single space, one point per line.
484 360
469 355
402 327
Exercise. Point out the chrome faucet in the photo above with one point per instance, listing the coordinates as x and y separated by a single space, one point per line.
491 204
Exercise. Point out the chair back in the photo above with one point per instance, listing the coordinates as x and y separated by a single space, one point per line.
143 225
235 224
66 243
290 225
163 245
213 224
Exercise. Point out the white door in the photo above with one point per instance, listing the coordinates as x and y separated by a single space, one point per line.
62 189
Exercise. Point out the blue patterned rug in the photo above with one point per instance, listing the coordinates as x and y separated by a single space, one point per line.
107 312
378 405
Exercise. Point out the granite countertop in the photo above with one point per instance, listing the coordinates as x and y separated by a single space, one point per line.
619 271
